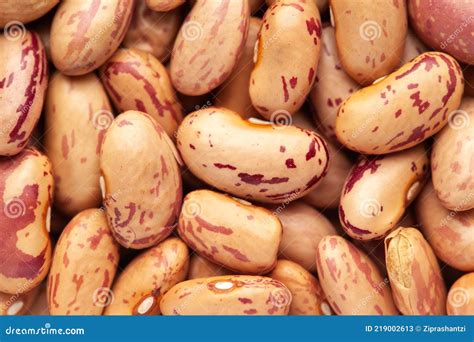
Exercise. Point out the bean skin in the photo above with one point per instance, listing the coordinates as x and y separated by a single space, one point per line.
404 109
461 296
26 189
164 5
286 57
23 82
17 304
24 11
206 142
227 295
84 264
417 284
200 267
351 281
244 239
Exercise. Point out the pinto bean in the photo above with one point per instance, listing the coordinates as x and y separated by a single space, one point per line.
23 11
206 140
139 288
227 295
230 232
145 214
209 46
84 264
417 284
23 82
461 296
26 189
378 190
286 57
403 109
351 281
200 267
84 34
164 5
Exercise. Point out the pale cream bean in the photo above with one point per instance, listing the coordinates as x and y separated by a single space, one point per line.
23 11
200 267
163 5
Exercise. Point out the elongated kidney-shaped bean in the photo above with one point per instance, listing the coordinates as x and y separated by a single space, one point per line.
209 45
378 190
417 283
227 295
308 297
351 281
77 116
449 233
26 190
303 228
144 214
262 162
23 82
139 288
135 80
370 36
83 268
286 57
200 267
404 109
453 159
230 232
84 34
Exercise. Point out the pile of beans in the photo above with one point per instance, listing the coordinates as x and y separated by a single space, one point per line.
241 157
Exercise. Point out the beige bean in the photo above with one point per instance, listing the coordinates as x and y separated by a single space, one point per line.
23 82
249 166
370 36
135 80
84 34
230 232
453 159
303 229
332 85
153 32
144 214
461 296
227 295
200 267
417 284
404 109
448 232
84 264
139 288
286 57
164 5
17 304
209 46
234 92
308 297
351 281
322 4
378 190
77 114
23 11
26 192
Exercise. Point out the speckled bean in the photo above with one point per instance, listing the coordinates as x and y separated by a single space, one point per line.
230 232
144 214
453 159
370 36
84 34
24 11
153 32
163 5
303 228
77 114
227 295
322 4
378 190
135 80
200 267
449 233
286 57
416 280
461 296
351 281
308 297
26 191
208 45
83 268
139 288
208 144
404 109
23 82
